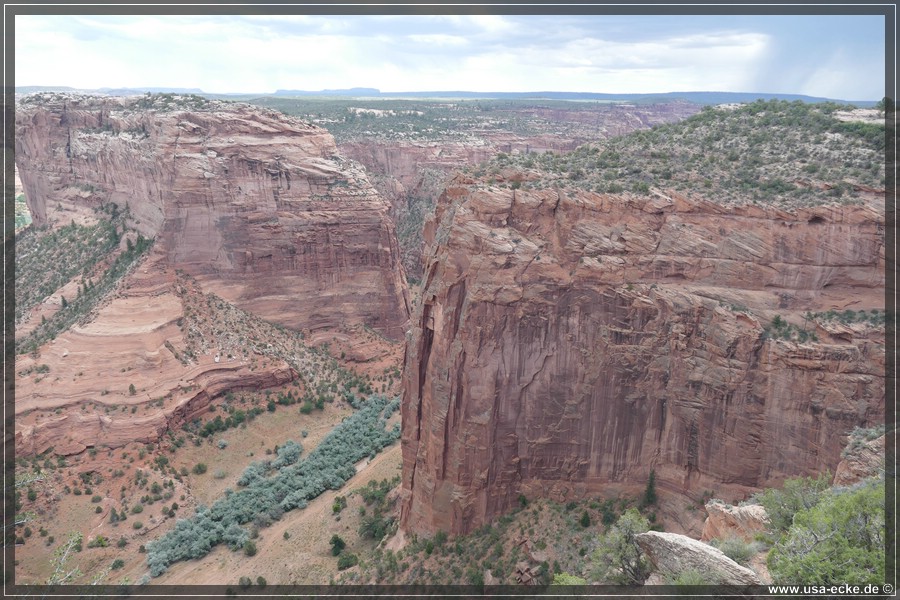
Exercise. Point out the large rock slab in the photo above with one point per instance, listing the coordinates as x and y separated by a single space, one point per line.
673 554
725 521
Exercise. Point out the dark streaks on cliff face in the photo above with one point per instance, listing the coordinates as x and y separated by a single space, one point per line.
255 204
578 371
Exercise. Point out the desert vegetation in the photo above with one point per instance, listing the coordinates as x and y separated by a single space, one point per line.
550 537
23 217
48 258
788 154
271 488
824 534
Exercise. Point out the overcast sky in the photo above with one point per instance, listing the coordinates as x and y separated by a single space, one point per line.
838 57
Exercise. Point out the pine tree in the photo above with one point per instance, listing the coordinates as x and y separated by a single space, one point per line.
650 490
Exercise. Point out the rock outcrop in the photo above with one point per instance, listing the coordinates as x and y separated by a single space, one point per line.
862 459
673 554
725 521
568 342
258 206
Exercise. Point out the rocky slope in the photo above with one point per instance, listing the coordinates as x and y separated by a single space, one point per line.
569 341
258 206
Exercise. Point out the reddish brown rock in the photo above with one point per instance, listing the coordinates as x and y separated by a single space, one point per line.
415 170
83 396
569 342
725 521
257 205
861 460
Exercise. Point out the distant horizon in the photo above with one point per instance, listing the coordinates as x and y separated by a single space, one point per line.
825 56
376 93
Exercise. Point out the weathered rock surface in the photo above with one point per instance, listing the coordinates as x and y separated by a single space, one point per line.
84 399
248 204
567 343
411 173
725 521
257 205
860 461
673 554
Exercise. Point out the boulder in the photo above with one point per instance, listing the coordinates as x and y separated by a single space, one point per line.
672 554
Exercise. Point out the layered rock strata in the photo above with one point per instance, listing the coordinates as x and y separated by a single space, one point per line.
260 207
253 207
412 172
568 342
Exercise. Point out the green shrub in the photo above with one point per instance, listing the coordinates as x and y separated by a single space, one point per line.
796 495
585 520
650 491
618 558
566 579
337 545
691 577
840 538
736 549
249 548
345 561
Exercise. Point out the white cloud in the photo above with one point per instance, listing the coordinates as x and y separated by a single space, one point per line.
474 52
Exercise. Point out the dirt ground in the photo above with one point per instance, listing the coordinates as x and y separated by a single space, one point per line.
302 558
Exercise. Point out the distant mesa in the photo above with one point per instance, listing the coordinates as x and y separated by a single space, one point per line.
356 91
703 97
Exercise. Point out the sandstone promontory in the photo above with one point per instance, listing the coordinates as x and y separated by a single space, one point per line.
258 206
262 233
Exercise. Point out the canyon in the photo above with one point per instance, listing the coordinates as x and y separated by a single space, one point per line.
259 207
410 170
572 328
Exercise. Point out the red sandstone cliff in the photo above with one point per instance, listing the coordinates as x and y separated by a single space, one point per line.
568 342
257 205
